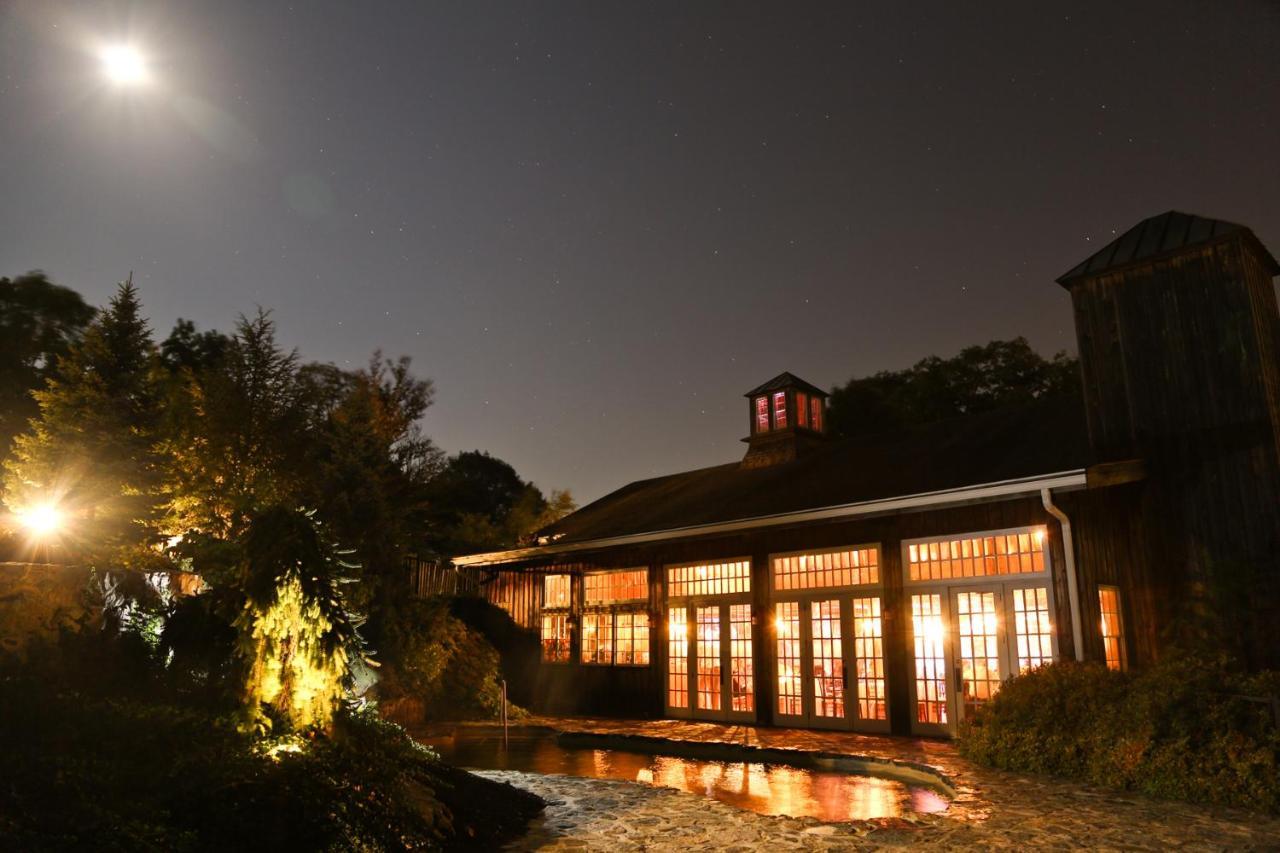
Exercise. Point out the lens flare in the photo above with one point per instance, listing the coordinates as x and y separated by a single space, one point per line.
43 520
123 65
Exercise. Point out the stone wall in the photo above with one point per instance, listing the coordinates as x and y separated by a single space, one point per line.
37 601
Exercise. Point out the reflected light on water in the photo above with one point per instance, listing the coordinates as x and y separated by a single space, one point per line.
764 788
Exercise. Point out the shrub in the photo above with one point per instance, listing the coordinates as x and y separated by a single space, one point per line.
89 766
1177 730
434 661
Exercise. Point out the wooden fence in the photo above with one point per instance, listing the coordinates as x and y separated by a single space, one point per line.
429 577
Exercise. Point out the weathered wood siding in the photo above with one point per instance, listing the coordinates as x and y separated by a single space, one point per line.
1179 360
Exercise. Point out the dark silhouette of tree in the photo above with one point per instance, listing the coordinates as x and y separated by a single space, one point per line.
978 379
479 502
39 320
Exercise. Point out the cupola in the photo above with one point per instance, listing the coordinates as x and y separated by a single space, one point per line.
788 418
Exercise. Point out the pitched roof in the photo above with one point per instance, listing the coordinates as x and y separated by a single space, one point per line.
1046 437
785 380
1159 235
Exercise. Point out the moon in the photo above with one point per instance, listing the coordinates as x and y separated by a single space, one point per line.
123 65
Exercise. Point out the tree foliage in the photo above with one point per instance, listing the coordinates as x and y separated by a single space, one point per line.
480 503
39 320
92 448
296 637
977 379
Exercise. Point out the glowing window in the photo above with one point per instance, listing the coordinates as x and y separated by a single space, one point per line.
555 637
1021 552
707 658
780 410
1112 625
928 634
742 690
631 647
815 413
850 567
1033 631
868 659
555 590
786 626
597 638
613 587
762 414
828 659
678 657
709 578
802 409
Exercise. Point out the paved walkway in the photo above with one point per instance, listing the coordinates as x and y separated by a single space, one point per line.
992 809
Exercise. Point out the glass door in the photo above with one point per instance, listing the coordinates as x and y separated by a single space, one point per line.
977 648
829 658
710 663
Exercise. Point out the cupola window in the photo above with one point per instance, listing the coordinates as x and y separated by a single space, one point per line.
762 414
780 410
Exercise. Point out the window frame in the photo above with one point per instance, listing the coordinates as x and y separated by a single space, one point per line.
1013 577
614 609
1120 636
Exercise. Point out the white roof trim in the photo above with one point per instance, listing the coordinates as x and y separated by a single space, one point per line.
963 495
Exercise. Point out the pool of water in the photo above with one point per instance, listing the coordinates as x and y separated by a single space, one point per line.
776 789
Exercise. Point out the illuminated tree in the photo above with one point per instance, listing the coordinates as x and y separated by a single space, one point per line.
92 449
296 640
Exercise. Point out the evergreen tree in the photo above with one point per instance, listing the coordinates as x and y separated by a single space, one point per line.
236 434
91 452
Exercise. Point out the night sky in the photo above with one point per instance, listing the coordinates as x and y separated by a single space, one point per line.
596 225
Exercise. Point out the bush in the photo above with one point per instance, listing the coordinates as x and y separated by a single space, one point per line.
434 662
97 755
1176 730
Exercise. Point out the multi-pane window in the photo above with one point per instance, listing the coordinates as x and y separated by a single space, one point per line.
707 658
1032 629
709 578
850 567
929 635
556 591
815 413
555 637
828 659
678 657
868 659
786 625
1021 552
779 409
631 646
1112 625
802 409
615 587
597 638
742 688
762 414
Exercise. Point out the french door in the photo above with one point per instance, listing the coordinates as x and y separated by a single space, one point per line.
710 664
967 640
829 661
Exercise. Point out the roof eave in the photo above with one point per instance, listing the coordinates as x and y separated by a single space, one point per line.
1062 480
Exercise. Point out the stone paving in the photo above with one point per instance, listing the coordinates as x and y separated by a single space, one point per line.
991 810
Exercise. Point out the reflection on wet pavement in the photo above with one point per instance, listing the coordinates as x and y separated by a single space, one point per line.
764 788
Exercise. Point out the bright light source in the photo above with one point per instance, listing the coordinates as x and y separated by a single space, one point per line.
123 65
42 520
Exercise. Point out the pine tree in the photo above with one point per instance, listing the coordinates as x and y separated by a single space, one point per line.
91 451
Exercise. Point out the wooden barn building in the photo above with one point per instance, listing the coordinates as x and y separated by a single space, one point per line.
891 582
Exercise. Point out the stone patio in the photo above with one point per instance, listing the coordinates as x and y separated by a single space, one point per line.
992 809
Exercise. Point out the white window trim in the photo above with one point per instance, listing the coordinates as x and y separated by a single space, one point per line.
776 594
950 537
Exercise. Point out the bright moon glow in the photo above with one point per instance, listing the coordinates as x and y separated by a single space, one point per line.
41 520
123 65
